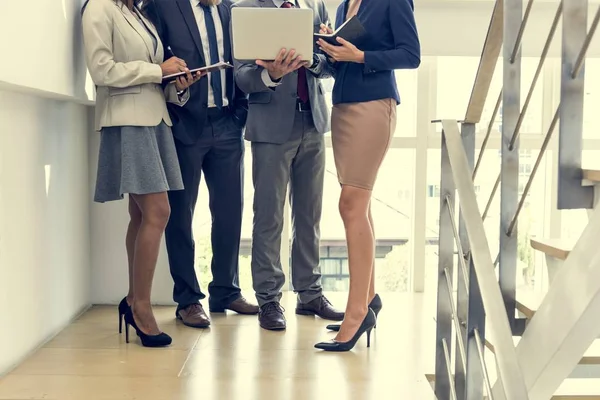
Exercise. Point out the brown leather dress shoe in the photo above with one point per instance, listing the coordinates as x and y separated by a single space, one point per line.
271 317
194 316
320 307
240 306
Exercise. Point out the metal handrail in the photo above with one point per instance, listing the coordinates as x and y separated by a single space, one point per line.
487 134
538 161
449 369
480 352
491 198
538 72
517 130
519 40
484 85
461 255
487 65
461 345
586 45
509 370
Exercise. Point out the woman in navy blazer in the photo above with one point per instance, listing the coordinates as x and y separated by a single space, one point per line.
365 97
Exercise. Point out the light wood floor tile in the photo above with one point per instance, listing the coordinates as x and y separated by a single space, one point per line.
232 360
82 335
136 388
129 361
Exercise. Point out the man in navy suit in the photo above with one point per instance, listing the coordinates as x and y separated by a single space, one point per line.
208 137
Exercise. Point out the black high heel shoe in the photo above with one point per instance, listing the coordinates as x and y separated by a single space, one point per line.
160 340
376 305
123 307
366 326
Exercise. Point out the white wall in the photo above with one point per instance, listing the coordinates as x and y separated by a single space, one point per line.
44 220
44 41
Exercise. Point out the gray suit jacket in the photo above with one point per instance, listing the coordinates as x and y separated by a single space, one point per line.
271 111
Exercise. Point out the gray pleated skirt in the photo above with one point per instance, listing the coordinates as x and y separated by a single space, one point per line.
136 160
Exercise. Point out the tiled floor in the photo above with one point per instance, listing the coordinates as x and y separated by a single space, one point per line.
234 359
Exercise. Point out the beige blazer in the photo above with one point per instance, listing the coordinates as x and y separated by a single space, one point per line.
123 64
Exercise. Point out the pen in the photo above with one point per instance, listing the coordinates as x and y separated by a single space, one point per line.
171 51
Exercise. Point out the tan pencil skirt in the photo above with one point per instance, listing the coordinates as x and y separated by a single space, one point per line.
361 134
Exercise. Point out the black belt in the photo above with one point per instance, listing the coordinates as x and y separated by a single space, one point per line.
303 107
213 112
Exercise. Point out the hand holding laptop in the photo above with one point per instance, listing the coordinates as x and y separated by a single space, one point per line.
284 63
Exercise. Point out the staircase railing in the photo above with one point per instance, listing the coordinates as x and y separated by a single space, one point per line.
481 297
480 287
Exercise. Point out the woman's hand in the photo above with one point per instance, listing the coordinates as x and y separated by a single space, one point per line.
325 30
346 52
187 80
172 66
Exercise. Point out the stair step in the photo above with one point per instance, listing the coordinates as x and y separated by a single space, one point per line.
570 389
557 248
592 175
528 302
591 356
578 389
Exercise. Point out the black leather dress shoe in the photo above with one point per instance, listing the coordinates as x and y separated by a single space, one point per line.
320 307
271 317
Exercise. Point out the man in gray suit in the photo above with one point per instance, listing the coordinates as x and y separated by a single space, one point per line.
287 118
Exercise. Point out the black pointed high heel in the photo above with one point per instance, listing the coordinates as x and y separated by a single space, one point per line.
160 340
123 307
366 327
376 305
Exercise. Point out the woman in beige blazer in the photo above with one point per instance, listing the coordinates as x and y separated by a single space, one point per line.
137 152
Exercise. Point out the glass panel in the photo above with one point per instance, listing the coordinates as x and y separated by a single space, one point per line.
392 214
407 110
592 99
202 226
456 76
531 220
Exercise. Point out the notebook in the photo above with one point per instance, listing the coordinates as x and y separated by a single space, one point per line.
351 30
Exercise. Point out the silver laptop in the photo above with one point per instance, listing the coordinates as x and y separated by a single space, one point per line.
260 33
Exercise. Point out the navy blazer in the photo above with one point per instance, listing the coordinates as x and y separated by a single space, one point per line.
392 43
177 27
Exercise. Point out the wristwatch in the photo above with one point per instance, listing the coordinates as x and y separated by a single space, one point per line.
315 62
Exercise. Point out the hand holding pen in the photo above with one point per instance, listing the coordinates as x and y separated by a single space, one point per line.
174 65
326 29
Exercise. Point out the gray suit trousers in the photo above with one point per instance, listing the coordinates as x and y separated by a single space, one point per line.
299 162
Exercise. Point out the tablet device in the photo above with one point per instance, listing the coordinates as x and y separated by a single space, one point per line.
210 68
261 33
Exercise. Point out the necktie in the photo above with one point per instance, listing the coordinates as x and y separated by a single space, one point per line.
215 77
302 83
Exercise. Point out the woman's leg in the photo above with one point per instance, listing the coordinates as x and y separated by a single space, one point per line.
354 209
372 284
135 220
155 215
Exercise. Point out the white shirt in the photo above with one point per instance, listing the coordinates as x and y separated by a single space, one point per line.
199 15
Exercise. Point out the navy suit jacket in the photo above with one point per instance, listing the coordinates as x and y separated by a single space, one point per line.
178 29
392 43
